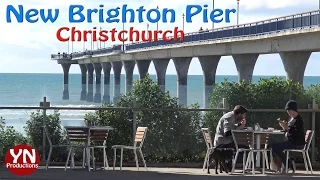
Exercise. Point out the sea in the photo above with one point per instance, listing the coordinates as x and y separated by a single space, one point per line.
29 90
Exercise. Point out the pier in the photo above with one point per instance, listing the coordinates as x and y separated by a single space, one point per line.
292 37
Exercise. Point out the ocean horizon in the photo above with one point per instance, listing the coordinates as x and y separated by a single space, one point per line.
28 89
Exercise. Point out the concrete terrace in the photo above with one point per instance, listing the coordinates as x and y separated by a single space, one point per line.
58 173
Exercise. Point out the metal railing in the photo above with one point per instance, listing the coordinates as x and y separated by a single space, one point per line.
257 113
269 26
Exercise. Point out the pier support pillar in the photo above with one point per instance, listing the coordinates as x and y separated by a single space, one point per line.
209 66
295 64
245 64
161 66
116 66
106 66
129 67
66 68
83 69
90 82
97 69
143 67
182 66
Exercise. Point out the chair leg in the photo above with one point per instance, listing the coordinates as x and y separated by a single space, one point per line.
83 158
144 161
264 161
88 158
244 162
310 165
248 161
205 160
114 158
93 160
72 159
49 156
105 158
252 161
305 161
121 158
208 158
287 161
267 159
67 162
234 162
136 158
271 159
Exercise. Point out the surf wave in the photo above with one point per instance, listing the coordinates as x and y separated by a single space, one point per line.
24 114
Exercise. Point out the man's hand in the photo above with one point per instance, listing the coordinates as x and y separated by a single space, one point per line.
284 125
243 122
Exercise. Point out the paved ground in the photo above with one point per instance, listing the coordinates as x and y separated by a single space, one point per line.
58 173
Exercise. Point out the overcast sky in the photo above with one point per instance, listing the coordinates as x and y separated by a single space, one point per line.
26 48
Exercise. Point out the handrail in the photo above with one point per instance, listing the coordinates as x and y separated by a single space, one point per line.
143 109
233 26
277 19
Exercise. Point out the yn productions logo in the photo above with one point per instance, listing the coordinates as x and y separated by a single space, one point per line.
22 160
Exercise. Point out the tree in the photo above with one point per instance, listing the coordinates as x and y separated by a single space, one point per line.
172 134
34 131
272 93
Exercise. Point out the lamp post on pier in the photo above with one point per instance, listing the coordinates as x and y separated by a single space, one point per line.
148 29
238 4
123 37
183 21
157 24
212 10
158 21
100 32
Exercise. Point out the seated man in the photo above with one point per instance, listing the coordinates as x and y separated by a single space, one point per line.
294 133
230 121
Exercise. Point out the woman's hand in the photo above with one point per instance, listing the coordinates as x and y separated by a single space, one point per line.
283 124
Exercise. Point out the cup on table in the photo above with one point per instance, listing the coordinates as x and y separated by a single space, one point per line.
270 129
249 128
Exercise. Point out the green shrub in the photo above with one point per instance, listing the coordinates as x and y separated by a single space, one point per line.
9 137
34 131
272 93
172 135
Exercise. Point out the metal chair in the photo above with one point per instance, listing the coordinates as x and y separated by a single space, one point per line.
243 138
210 148
137 146
263 138
51 146
79 136
98 136
304 151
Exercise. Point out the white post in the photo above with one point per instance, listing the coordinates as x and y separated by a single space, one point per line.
313 125
224 105
134 119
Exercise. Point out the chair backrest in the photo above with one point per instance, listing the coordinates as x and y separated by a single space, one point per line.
77 134
243 138
264 139
99 135
207 137
140 136
308 139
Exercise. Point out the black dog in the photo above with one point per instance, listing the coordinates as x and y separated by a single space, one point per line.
222 157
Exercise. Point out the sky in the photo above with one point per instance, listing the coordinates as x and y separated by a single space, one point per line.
26 47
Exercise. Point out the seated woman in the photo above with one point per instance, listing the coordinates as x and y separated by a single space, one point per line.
294 133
